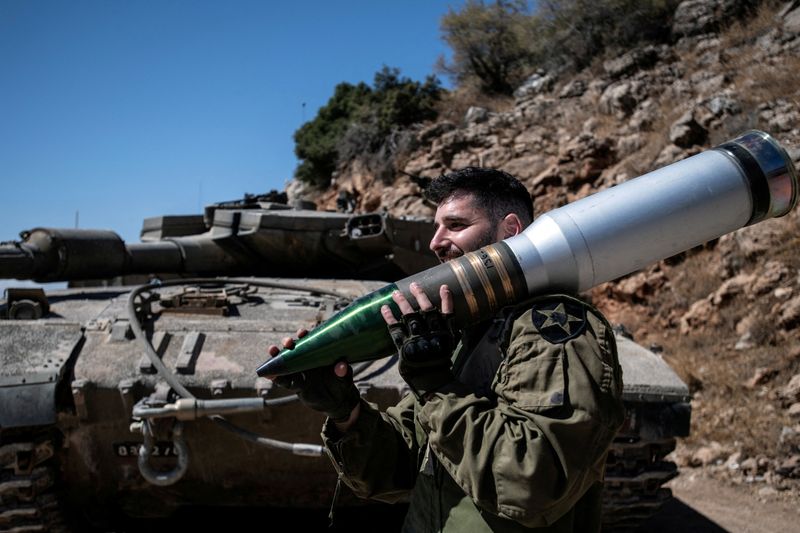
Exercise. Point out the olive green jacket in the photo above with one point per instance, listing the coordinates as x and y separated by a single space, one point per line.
518 442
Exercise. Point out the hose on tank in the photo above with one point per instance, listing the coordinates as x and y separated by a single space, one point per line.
177 386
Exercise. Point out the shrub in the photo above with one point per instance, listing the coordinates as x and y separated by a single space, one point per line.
577 31
316 141
358 119
490 44
496 45
401 102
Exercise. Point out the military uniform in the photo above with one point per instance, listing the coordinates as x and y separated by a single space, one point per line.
518 442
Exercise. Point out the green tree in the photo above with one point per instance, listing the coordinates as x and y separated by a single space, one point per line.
358 120
316 140
491 44
495 46
577 31
400 101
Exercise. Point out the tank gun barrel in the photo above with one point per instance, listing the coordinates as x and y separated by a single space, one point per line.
51 254
255 242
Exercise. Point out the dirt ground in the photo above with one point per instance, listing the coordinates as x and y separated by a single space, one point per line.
703 504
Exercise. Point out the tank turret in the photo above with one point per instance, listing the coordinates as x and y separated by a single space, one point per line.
247 237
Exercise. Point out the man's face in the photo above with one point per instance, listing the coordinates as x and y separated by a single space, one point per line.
460 226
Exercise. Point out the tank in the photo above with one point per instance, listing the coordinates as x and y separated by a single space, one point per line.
133 392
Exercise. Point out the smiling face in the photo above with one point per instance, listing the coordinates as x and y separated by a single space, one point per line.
460 226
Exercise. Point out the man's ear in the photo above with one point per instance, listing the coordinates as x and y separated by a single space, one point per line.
510 225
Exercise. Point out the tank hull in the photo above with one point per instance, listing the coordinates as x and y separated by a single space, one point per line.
99 374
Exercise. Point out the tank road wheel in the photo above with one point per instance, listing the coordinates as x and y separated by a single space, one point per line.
635 474
28 501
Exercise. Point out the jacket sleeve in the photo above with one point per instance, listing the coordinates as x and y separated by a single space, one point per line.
377 457
531 455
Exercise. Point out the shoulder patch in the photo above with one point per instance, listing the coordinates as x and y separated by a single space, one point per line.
558 319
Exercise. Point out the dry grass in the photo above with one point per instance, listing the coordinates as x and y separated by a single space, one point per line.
454 105
769 82
763 81
725 409
748 30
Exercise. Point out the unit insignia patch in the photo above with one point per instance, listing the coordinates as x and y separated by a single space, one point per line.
558 320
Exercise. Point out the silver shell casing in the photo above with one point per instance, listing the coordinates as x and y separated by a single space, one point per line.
627 227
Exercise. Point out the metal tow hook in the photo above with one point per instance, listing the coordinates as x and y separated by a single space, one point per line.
156 477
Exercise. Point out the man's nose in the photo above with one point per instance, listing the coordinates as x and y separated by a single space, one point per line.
438 240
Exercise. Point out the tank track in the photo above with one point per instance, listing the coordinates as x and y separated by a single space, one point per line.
28 501
635 474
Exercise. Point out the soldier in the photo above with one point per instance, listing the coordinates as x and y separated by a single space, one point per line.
507 424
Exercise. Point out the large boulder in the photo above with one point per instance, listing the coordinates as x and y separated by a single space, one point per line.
630 62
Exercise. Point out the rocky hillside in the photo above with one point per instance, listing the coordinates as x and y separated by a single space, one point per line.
727 315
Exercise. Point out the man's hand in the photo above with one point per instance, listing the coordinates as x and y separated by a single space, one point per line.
328 390
424 340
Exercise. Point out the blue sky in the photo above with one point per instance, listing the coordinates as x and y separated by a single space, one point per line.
119 110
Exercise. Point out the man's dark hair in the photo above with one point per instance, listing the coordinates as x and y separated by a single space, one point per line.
496 192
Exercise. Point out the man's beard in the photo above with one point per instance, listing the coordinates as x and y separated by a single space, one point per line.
454 251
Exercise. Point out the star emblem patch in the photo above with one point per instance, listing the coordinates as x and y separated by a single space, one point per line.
558 320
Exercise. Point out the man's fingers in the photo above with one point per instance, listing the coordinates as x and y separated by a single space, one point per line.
447 299
387 315
402 303
288 343
422 298
341 369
